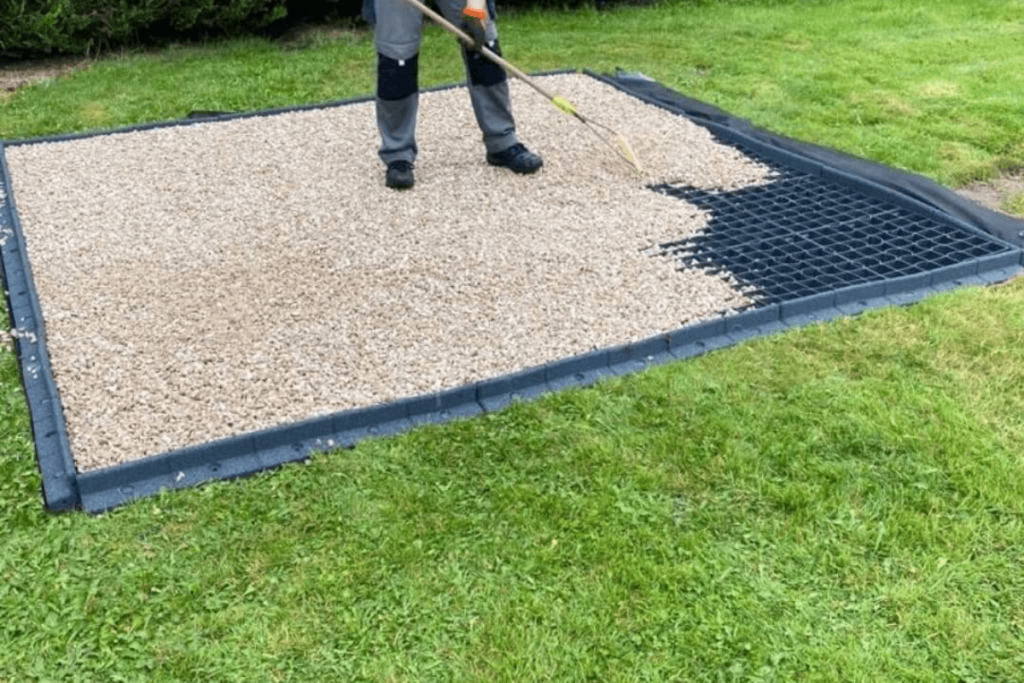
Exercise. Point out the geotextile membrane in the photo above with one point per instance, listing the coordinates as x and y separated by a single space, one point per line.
767 234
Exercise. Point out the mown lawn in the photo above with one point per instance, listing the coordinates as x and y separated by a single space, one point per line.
839 503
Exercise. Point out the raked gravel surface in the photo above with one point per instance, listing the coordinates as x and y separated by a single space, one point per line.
228 276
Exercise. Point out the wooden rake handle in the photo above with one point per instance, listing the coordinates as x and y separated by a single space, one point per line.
624 151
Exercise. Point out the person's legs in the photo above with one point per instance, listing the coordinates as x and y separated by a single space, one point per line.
397 105
397 35
488 84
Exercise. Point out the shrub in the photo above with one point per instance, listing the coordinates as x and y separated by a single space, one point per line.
88 26
41 27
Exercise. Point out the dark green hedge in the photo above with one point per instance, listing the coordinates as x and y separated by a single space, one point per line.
33 28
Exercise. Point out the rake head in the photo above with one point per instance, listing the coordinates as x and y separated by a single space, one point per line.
621 147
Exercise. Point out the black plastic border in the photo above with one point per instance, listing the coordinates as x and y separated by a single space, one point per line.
53 448
252 452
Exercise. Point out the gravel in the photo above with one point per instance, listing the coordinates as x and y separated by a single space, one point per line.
202 281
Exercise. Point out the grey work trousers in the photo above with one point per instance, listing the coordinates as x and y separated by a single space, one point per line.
397 32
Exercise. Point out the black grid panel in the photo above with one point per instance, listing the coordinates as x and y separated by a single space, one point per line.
800 235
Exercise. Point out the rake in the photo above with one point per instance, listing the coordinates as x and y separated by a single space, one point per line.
621 146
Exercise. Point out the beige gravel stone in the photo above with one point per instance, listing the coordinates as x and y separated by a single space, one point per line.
202 281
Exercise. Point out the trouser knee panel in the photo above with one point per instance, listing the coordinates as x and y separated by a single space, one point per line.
483 71
397 78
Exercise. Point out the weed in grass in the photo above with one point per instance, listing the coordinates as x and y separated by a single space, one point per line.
1015 204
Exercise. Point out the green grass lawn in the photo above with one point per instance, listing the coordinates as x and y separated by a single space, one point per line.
839 503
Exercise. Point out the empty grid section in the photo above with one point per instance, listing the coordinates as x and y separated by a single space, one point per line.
799 235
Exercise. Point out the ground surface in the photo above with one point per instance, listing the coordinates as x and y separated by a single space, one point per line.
1002 194
843 502
19 74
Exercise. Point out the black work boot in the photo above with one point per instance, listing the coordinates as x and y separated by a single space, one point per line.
399 176
516 158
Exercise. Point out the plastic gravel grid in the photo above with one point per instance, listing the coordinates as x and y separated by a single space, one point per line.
803 296
800 235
